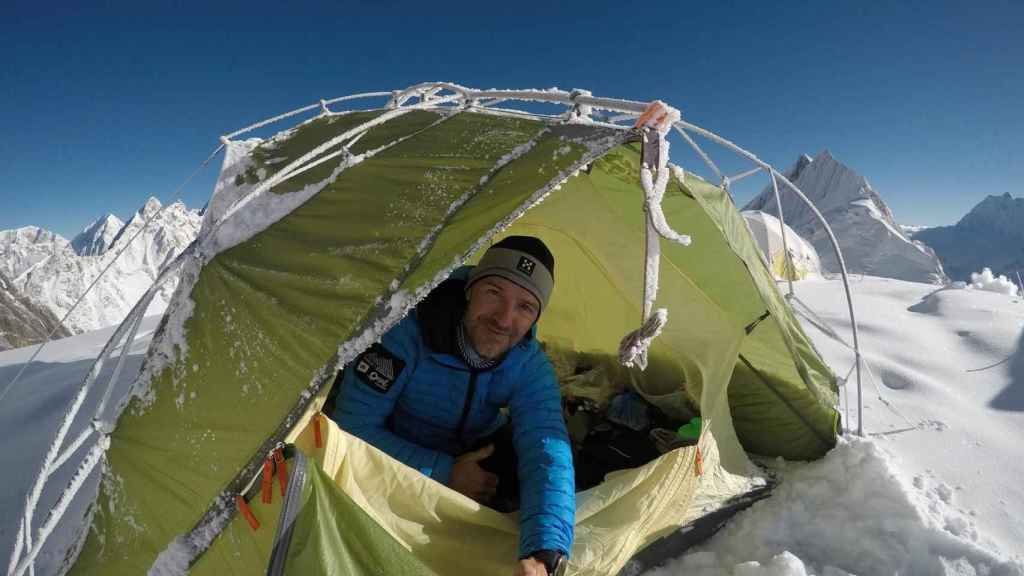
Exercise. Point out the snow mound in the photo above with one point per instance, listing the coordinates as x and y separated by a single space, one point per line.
766 231
849 513
986 280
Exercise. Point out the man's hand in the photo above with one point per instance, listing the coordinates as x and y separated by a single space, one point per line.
531 567
472 480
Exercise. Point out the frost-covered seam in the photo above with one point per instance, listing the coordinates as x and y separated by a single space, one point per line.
169 341
214 243
547 118
297 111
222 510
183 550
401 302
431 237
550 95
284 172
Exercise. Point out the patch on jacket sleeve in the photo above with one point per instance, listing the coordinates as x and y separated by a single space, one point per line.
378 368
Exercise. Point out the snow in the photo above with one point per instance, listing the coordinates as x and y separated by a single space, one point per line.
29 418
46 269
910 229
934 487
985 280
871 241
98 236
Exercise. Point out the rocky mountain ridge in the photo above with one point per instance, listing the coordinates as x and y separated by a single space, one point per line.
990 235
21 321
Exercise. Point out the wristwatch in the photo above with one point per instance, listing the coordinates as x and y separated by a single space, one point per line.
553 560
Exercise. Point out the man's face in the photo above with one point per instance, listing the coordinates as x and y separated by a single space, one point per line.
499 314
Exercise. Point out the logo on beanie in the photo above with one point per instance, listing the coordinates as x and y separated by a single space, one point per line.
526 265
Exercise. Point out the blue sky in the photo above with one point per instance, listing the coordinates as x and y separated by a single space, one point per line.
102 106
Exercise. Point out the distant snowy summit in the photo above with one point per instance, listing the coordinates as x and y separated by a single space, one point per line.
52 273
98 236
990 235
871 241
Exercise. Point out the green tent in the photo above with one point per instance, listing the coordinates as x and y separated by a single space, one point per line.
319 239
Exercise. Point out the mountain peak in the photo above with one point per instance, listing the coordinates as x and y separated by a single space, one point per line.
1000 213
151 206
990 235
98 236
871 241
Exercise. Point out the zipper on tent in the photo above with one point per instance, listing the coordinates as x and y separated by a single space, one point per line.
289 512
750 327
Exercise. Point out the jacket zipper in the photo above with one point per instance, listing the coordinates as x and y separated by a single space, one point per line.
466 407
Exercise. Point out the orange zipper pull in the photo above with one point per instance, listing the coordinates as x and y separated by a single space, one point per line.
698 463
243 507
282 470
267 482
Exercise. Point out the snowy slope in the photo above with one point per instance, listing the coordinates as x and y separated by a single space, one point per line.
990 235
871 241
30 414
98 236
45 268
935 487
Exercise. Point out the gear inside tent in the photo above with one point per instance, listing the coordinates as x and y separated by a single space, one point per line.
319 239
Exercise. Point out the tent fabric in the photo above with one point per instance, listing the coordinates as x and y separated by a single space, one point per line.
269 316
361 502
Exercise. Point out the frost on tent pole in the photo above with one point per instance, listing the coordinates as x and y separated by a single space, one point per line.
700 152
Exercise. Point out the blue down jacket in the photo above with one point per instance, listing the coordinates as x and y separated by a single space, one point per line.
414 397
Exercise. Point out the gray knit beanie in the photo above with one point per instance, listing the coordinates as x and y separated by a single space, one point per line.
524 260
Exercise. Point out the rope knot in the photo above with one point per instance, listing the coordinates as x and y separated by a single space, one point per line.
634 346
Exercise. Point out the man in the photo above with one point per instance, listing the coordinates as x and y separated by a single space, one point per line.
431 392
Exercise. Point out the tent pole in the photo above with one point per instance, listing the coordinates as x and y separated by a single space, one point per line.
1020 283
787 260
831 237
